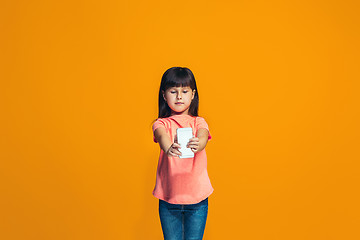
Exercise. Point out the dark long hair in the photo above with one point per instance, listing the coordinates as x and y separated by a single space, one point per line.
177 77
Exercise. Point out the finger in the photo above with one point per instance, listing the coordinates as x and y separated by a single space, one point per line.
192 145
174 154
175 151
194 141
176 145
170 153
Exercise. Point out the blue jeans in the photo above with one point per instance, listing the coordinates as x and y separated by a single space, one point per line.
183 222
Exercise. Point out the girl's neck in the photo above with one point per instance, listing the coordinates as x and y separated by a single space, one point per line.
179 115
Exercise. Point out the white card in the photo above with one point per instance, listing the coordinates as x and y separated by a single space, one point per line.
183 137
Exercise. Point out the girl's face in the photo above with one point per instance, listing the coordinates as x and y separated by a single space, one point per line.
179 99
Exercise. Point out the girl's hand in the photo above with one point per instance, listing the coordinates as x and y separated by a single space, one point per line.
174 150
193 144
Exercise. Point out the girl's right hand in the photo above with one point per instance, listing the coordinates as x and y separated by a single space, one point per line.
174 150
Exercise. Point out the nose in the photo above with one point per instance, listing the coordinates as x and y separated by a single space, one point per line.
179 96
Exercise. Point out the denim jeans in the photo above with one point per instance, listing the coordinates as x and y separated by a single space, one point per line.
183 222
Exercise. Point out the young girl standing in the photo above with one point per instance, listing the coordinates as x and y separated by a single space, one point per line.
182 184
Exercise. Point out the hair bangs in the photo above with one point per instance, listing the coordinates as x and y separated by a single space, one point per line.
179 79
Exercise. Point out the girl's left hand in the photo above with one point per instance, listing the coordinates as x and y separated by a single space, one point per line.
193 144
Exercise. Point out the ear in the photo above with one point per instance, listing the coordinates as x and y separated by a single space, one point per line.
163 93
193 94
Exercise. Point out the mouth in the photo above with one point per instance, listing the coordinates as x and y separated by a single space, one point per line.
179 103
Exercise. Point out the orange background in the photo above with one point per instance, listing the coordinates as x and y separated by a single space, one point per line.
278 84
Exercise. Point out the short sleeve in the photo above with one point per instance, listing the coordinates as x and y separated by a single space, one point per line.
158 123
201 123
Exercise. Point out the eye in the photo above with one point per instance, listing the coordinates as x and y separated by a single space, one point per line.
185 91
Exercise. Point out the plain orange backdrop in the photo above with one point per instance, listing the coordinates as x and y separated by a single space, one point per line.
278 84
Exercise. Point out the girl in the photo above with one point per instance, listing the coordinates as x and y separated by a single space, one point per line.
182 184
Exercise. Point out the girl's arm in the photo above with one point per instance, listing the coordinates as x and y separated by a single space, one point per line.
165 142
201 141
162 138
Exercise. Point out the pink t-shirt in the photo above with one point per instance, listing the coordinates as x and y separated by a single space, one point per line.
182 180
